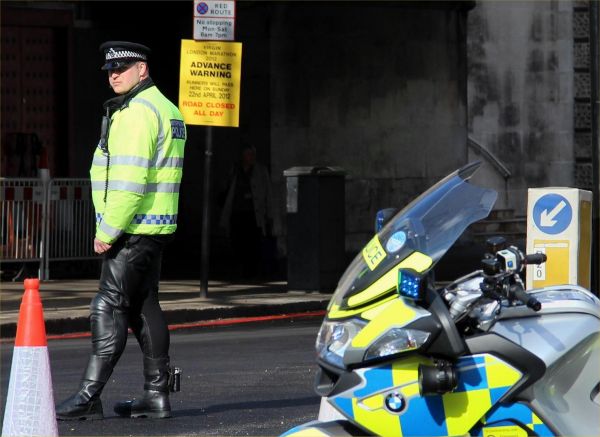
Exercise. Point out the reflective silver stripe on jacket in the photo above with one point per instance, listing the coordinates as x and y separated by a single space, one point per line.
161 187
164 187
160 140
170 161
174 162
120 186
160 160
109 230
138 161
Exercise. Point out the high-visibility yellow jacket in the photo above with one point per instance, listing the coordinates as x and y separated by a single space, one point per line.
135 186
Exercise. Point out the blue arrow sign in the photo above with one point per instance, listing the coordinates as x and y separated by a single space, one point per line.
552 214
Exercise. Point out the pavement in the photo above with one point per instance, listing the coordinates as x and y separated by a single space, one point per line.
66 304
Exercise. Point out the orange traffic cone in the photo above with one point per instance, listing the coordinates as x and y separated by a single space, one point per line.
29 407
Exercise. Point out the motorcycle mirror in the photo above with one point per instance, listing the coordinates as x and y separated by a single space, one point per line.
495 244
383 216
491 266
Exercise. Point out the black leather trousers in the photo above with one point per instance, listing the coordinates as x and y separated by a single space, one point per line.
128 297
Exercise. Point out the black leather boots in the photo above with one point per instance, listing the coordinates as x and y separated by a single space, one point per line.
155 400
86 403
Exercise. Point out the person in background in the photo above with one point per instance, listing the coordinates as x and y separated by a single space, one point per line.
247 214
136 174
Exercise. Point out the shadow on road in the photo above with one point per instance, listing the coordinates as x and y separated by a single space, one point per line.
275 403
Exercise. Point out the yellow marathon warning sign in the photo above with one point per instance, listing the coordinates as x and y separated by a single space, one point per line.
209 82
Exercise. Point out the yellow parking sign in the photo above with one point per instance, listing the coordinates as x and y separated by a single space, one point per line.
209 82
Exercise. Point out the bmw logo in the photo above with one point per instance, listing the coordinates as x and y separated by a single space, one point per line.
395 402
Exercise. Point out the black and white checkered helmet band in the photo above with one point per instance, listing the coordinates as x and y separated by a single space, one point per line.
112 54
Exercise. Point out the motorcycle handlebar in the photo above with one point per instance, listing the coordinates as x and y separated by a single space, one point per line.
528 300
535 258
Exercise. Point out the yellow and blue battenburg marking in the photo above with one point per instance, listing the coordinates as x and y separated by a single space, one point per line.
388 401
502 420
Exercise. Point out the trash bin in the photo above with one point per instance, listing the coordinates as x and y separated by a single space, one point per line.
315 211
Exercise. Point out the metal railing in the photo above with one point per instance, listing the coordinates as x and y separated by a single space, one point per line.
22 208
45 220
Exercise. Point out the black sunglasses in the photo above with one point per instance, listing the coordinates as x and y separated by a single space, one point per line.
121 69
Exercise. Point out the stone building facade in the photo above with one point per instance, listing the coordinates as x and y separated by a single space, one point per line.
530 95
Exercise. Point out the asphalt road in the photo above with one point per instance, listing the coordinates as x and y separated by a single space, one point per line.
254 379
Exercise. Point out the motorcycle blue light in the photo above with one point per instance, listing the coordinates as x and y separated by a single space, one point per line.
379 220
409 285
382 217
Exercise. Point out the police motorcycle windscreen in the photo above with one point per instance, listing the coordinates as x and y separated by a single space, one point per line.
428 226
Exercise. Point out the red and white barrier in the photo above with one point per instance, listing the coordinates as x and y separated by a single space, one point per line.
22 193
70 192
44 219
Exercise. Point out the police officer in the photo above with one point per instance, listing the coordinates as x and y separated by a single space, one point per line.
136 173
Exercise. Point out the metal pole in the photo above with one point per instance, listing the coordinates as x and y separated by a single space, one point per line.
594 17
206 215
44 272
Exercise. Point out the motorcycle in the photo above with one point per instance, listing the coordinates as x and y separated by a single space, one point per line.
481 356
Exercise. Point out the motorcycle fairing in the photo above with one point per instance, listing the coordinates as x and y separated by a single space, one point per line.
504 420
383 309
396 314
387 401
336 313
416 261
380 290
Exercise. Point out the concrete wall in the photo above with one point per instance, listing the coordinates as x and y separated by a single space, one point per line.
378 90
520 93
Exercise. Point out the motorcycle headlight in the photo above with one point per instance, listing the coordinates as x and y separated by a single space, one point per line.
395 341
334 338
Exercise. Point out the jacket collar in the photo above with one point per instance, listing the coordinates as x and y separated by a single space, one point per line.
122 101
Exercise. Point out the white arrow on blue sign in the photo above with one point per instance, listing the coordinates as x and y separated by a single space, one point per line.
552 214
